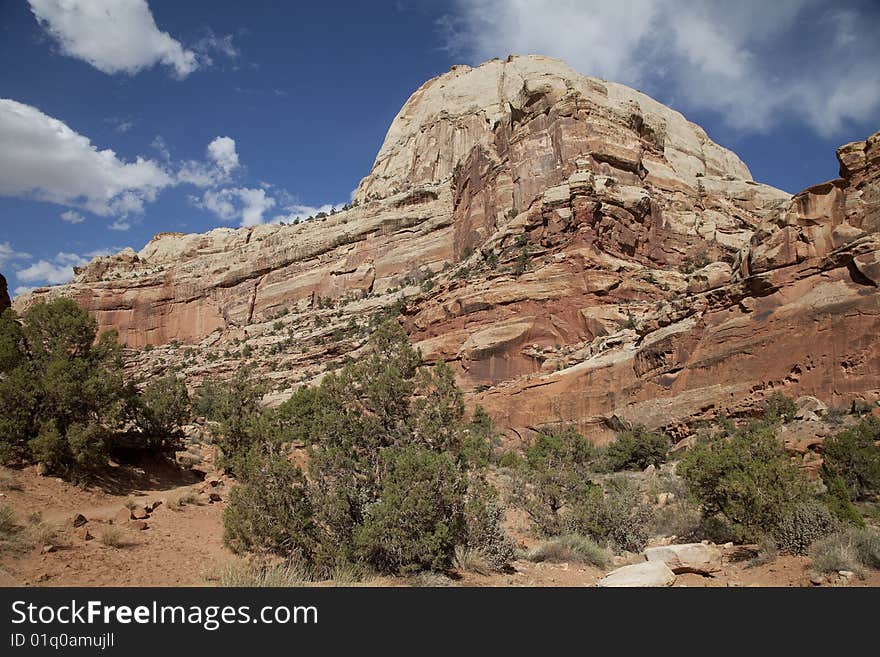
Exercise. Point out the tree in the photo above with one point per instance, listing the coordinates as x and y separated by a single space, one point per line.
746 477
61 390
854 455
235 404
388 477
271 511
636 450
163 408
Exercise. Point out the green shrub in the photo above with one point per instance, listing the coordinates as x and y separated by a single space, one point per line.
388 469
802 526
418 518
853 455
570 548
636 450
479 441
235 404
838 501
271 510
555 473
616 516
746 477
61 390
778 407
163 409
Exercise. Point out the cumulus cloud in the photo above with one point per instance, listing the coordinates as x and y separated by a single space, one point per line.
72 217
43 159
8 254
242 204
114 36
55 272
222 161
754 63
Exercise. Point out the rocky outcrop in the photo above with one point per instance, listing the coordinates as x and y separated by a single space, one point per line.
578 252
699 558
4 295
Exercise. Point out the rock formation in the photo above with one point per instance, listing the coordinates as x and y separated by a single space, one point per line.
4 295
578 251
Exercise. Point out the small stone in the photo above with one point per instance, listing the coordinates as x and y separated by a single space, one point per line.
214 497
121 516
138 524
46 549
818 580
846 574
79 520
85 534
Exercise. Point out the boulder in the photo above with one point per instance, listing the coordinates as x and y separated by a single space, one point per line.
809 407
696 558
652 574
139 512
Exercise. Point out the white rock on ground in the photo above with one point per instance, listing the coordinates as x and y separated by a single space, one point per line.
652 574
687 557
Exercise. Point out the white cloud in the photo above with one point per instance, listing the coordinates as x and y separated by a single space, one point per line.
72 217
114 36
43 159
222 161
8 254
222 151
242 204
213 43
755 63
55 272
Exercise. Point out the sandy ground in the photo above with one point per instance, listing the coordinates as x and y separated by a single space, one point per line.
183 546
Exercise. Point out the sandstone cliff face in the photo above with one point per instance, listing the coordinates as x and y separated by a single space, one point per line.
4 295
579 253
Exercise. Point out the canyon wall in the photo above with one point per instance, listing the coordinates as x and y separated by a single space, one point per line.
577 251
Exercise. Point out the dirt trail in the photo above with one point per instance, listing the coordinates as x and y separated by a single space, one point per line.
182 545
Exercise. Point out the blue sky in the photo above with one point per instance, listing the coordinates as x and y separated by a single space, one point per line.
228 113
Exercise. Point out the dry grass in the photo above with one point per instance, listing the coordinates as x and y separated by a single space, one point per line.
570 549
183 499
7 520
852 549
8 480
21 537
289 574
467 560
114 536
